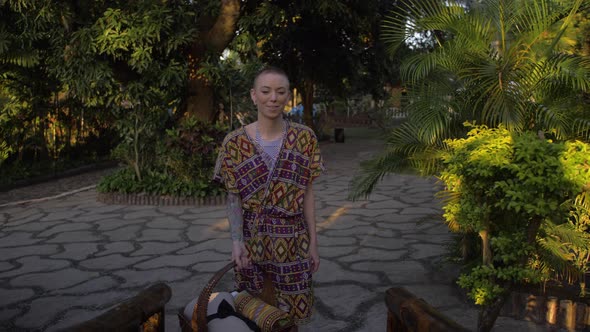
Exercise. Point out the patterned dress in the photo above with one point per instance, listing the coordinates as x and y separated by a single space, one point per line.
275 231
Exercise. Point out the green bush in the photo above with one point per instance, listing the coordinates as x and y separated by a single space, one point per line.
524 197
155 183
177 163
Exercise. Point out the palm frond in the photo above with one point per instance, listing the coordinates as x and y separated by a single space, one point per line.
475 33
582 201
563 71
553 118
437 119
411 17
575 7
406 140
419 66
426 162
536 19
502 14
581 128
580 210
372 171
554 267
22 58
405 150
566 235
555 263
501 108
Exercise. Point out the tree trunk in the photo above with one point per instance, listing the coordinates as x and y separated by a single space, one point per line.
41 149
307 101
199 99
486 247
533 229
489 313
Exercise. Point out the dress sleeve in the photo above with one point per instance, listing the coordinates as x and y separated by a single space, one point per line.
316 162
224 169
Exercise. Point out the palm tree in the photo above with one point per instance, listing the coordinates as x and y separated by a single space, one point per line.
508 63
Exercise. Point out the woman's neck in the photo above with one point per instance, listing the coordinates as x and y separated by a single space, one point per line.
270 129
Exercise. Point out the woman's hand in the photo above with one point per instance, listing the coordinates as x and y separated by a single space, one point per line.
314 257
239 255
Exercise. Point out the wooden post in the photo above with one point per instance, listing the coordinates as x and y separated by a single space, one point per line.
522 303
534 310
413 314
130 314
394 324
567 315
552 306
509 306
587 317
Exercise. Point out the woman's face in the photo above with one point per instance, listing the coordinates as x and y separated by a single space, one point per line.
270 94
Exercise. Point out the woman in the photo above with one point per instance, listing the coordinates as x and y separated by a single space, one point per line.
268 168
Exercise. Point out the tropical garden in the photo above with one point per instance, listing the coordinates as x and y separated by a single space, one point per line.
498 111
497 104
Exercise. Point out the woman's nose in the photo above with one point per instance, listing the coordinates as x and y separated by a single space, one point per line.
273 96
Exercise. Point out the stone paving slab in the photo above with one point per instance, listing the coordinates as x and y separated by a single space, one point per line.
66 260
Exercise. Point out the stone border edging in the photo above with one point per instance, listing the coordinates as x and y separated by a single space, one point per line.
145 199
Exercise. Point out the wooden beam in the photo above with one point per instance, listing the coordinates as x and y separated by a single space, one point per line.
407 313
131 314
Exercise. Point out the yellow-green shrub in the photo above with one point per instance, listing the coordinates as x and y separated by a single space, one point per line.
523 196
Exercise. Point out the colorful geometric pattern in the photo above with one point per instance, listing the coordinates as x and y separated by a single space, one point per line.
267 317
275 230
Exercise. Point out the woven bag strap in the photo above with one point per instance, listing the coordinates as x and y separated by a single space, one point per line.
199 318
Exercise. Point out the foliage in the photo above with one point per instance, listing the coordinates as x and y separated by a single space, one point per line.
156 183
126 53
192 150
233 80
139 129
179 161
499 185
68 69
4 151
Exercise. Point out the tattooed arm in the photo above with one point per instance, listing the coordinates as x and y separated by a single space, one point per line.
309 215
235 217
236 226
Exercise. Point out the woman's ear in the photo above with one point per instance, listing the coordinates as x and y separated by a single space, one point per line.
253 95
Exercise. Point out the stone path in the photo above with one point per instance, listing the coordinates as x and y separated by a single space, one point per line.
66 260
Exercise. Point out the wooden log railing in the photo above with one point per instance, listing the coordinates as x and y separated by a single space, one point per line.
555 313
407 313
143 312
